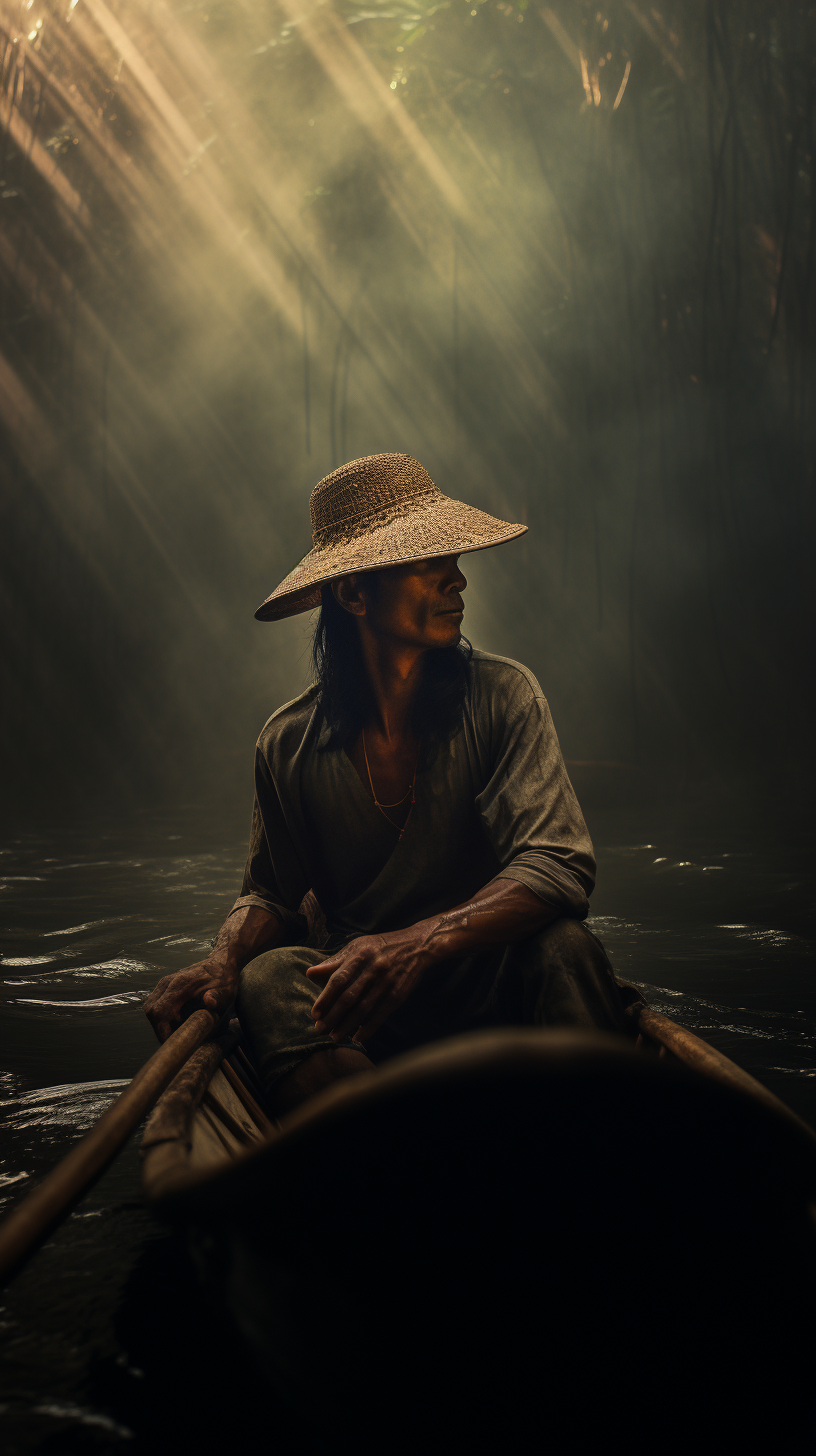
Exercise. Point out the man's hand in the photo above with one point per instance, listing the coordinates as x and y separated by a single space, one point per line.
208 983
373 975
213 982
367 980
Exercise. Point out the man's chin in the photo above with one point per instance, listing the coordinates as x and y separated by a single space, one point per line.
444 631
452 637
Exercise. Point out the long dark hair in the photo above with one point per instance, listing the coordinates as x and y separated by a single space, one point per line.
344 694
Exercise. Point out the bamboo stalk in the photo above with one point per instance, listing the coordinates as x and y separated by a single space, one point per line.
30 1223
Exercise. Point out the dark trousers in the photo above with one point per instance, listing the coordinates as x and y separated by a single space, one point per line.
559 977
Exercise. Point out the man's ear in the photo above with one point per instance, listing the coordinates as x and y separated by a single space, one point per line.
346 591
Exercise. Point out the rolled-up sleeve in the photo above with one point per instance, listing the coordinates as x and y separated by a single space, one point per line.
529 809
274 878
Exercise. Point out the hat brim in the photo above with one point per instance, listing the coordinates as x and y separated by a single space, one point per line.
442 527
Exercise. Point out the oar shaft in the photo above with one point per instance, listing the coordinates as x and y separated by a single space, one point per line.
32 1220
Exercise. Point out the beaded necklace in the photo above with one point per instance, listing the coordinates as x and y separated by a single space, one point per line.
382 807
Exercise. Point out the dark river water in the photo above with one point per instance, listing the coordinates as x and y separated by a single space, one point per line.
718 929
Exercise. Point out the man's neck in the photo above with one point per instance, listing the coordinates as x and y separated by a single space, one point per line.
395 672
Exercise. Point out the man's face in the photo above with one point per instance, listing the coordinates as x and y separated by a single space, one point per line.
418 604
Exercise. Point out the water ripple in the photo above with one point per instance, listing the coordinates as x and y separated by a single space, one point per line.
88 925
84 1417
115 966
74 1104
99 1003
43 960
113 969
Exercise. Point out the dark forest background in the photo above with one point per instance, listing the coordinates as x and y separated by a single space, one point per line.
564 255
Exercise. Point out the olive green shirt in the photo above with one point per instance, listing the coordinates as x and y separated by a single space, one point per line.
494 802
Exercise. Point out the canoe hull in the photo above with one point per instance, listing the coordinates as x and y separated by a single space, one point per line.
496 1225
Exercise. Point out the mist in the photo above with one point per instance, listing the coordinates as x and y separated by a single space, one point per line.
564 256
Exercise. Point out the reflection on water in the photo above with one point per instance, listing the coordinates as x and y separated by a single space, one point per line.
719 938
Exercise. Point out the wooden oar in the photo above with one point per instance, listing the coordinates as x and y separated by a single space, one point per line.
32 1221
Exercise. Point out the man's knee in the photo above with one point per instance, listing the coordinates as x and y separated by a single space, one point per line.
569 981
566 949
567 940
275 983
266 968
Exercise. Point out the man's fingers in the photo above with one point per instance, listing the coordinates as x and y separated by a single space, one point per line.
374 1010
346 1015
162 1027
159 988
357 980
164 1017
381 1000
334 962
346 1007
175 997
347 972
326 967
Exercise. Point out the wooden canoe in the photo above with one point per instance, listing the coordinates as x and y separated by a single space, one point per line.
213 1113
491 1228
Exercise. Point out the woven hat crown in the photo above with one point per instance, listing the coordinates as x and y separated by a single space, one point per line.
375 513
367 493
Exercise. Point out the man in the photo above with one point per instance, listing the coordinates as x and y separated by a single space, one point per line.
418 790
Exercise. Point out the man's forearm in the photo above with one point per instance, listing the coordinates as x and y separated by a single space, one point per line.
245 934
501 912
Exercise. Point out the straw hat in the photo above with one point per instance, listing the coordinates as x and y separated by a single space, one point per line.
375 512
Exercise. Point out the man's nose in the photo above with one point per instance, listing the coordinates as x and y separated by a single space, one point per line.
456 580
